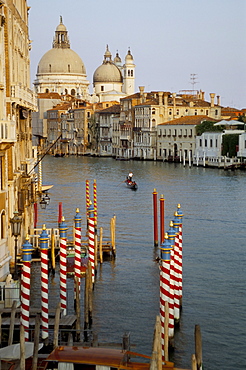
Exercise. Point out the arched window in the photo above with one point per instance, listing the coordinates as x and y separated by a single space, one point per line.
65 91
68 68
46 90
131 72
73 92
49 67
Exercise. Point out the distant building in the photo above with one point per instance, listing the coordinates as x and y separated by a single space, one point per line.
176 139
112 80
61 70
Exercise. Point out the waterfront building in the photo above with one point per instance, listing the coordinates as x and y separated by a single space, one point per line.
108 120
176 139
223 148
17 155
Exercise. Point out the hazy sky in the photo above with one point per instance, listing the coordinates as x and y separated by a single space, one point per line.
169 40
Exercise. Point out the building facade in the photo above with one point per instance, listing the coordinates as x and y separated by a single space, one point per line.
17 155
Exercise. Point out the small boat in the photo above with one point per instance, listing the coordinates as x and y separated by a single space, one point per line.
79 357
131 184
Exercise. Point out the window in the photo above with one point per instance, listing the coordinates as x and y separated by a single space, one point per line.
129 72
68 68
216 143
205 143
88 114
180 132
49 67
200 143
211 143
132 73
73 92
153 111
102 88
46 90
216 112
245 144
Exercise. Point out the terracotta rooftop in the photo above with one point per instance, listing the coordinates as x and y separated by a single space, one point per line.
51 95
113 109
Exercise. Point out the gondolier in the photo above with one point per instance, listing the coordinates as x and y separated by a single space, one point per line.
130 176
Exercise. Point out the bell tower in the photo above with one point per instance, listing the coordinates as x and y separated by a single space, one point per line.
129 74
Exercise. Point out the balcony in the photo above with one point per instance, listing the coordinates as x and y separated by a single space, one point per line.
7 134
23 96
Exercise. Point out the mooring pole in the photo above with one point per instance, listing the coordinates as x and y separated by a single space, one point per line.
27 250
77 245
44 238
63 266
165 250
155 217
162 221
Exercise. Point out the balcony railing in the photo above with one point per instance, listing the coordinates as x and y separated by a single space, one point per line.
8 131
24 96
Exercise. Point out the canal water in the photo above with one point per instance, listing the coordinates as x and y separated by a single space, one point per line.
126 293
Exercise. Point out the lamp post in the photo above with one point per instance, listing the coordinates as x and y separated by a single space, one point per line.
16 231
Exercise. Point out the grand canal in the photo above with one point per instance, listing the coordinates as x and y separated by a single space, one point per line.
126 294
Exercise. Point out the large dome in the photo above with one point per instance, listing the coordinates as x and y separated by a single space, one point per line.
107 72
62 61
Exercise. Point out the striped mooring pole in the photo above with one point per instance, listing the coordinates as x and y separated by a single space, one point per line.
165 249
155 218
44 239
27 250
91 235
180 216
177 264
77 244
63 265
171 238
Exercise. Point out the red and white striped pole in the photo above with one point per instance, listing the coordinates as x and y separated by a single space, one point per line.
171 237
44 238
155 217
63 265
165 249
27 250
180 216
91 236
177 272
77 244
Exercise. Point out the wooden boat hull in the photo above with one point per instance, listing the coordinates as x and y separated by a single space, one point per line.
131 184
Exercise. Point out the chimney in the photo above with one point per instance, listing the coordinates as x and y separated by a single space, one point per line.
212 95
174 100
202 95
218 100
160 96
165 100
141 90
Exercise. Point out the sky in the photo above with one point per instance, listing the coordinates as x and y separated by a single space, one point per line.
170 40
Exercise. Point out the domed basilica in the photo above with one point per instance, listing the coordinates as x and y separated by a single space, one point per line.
61 70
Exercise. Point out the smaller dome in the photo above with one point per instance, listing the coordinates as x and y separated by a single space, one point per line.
107 72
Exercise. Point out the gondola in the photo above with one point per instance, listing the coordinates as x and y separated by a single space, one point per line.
131 184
